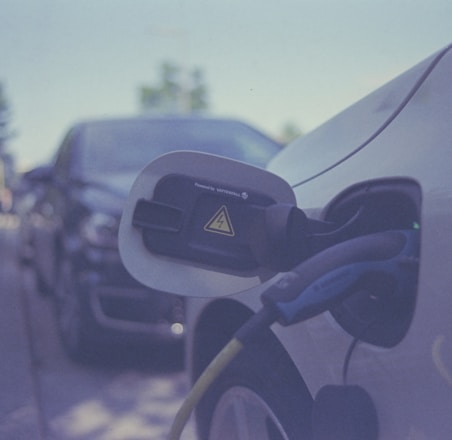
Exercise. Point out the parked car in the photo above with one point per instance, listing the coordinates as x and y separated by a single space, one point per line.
375 363
75 223
28 189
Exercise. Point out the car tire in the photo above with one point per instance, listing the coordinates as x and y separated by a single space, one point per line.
260 395
70 315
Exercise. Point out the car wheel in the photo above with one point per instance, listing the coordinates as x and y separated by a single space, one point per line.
71 317
261 395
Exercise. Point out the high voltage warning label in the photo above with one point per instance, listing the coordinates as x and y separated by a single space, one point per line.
220 223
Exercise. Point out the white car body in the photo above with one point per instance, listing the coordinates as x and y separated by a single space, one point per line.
402 130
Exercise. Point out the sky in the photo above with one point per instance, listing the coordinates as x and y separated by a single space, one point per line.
267 63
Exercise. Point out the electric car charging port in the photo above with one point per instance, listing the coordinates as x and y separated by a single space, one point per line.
377 312
359 261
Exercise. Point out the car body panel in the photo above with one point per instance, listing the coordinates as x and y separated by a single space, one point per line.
402 130
355 127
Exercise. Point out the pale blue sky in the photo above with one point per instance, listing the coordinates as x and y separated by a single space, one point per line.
265 62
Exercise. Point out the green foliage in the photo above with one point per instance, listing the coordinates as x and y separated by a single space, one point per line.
6 159
176 91
198 92
290 132
3 100
4 118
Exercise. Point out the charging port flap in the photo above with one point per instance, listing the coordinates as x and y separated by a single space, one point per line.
194 224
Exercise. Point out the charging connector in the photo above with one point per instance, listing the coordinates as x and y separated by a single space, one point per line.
334 274
312 288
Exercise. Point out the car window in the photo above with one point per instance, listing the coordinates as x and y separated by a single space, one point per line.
64 166
130 144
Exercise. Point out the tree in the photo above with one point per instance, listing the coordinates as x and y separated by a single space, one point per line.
176 91
6 160
290 131
4 118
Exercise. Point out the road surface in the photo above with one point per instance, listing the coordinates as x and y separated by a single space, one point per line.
125 395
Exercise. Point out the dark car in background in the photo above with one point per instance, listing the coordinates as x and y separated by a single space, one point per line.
76 218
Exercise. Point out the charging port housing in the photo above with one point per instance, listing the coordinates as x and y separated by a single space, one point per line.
376 312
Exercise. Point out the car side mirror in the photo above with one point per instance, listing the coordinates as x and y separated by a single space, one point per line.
198 225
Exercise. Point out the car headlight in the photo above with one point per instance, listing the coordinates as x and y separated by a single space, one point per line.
100 229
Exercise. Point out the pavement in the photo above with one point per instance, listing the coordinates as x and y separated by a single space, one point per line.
127 395
19 418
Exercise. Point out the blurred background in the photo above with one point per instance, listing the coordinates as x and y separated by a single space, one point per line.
285 66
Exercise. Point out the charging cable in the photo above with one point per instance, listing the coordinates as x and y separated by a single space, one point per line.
311 288
259 321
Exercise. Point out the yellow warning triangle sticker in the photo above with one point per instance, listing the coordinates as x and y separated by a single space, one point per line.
220 223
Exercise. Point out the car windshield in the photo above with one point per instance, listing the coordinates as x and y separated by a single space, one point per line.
128 145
